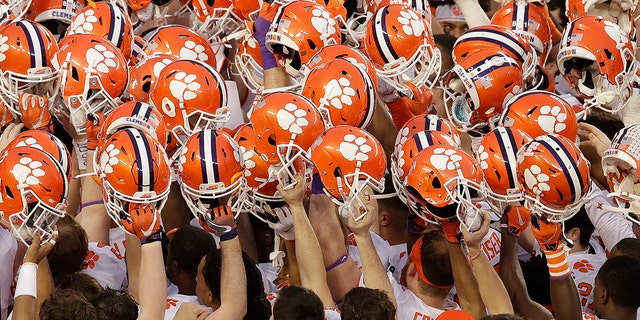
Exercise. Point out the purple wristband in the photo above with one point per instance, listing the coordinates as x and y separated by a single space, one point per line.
91 203
316 185
338 262
261 28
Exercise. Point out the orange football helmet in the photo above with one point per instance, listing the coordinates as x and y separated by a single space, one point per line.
53 10
426 122
25 63
249 64
136 5
286 124
144 74
34 192
400 44
137 115
620 165
192 96
180 42
497 156
443 180
93 76
343 93
597 58
134 171
335 51
217 19
106 20
348 159
212 173
499 38
540 112
47 142
555 177
476 89
263 196
298 30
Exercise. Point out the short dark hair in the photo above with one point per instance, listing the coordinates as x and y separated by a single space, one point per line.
71 248
83 283
583 223
607 122
115 304
620 276
258 306
367 304
66 304
298 303
188 245
502 316
629 247
435 258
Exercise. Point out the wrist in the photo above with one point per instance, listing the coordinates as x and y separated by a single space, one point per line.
229 235
558 263
157 236
27 280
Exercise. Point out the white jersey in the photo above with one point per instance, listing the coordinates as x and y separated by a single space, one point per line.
331 314
106 265
174 301
8 249
382 248
584 267
269 274
611 226
397 259
411 307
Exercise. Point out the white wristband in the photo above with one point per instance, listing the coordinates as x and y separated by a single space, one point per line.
81 153
26 285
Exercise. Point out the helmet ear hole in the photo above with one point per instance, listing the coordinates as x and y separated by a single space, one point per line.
337 172
435 182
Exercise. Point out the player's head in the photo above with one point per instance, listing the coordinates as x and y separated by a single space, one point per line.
298 303
616 288
365 303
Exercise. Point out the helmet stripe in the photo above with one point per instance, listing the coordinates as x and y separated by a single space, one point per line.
495 37
382 38
208 156
423 139
143 159
564 159
506 141
38 58
116 26
520 18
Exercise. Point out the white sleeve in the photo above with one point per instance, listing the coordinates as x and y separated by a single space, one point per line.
233 103
473 13
611 226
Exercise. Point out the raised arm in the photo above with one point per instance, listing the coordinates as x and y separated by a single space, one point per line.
308 253
493 292
374 273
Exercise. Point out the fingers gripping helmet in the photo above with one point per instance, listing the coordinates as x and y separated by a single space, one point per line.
211 172
343 93
47 142
33 192
105 20
477 88
93 76
620 165
401 46
597 58
530 22
134 171
298 30
540 112
192 96
348 159
554 175
137 115
497 156
25 63
286 124
441 177
217 19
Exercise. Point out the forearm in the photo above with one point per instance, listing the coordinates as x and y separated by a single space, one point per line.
292 260
152 274
133 265
276 78
309 256
374 273
513 280
494 294
233 281
93 216
24 307
466 285
45 283
473 13
565 299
